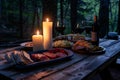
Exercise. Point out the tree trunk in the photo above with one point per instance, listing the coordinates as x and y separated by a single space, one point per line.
104 17
34 16
50 11
73 14
111 17
21 4
118 26
61 12
0 10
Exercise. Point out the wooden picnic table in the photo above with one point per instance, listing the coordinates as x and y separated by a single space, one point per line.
79 67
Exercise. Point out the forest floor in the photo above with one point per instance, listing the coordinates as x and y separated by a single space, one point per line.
114 71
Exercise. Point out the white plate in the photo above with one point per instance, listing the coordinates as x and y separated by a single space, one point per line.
27 44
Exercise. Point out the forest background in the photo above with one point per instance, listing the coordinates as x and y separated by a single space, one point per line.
19 18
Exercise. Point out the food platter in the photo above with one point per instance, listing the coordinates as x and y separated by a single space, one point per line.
52 60
92 52
41 63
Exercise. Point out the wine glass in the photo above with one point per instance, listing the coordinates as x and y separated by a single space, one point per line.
60 30
79 29
88 30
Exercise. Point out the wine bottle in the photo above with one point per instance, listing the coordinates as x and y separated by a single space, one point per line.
95 32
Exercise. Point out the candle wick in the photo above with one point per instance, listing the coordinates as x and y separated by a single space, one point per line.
37 32
47 20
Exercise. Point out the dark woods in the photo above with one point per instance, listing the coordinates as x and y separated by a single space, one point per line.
104 17
28 16
118 25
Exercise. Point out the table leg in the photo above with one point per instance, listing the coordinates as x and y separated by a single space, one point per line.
105 75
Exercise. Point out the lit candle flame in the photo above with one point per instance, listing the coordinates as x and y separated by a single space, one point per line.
47 20
38 32
57 23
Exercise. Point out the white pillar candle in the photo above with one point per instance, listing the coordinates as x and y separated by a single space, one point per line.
47 34
37 42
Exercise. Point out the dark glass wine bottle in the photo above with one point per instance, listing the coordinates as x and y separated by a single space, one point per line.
95 32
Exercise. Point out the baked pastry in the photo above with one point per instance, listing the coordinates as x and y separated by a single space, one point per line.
82 46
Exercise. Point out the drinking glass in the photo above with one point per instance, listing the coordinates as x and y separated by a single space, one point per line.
88 30
79 29
60 30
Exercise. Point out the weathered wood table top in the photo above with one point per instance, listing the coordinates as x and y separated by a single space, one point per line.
79 67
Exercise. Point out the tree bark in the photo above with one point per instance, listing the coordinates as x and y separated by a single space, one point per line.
0 10
21 6
50 11
34 16
73 15
61 12
104 17
118 26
